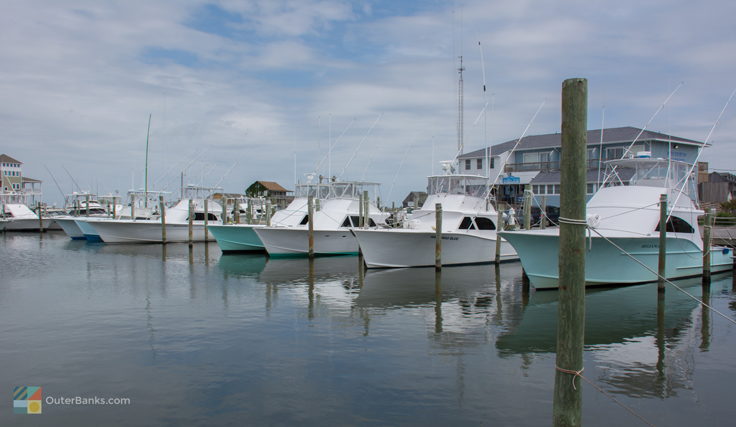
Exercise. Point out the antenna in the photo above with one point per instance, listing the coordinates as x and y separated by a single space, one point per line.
460 143
355 152
148 133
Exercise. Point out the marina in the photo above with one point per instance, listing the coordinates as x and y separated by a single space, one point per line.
247 339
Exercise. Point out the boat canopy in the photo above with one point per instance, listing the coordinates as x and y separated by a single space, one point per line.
467 185
336 189
647 172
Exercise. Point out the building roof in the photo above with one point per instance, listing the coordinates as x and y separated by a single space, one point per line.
272 186
31 180
551 140
7 159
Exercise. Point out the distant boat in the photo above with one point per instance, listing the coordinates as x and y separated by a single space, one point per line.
337 212
19 217
469 229
628 215
79 205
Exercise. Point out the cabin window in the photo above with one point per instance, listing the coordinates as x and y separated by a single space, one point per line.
467 224
467 164
484 223
199 216
677 225
354 221
305 220
591 188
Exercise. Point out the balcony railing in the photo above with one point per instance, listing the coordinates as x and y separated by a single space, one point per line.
542 166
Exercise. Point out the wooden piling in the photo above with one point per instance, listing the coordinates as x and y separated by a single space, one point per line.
499 227
310 225
132 206
662 242
206 224
268 213
162 208
86 201
76 207
366 210
438 236
224 211
114 207
361 216
191 222
236 212
567 403
707 233
543 213
40 217
527 207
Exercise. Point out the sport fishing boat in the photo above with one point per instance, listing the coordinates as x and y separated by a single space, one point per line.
79 205
469 229
623 221
19 217
337 209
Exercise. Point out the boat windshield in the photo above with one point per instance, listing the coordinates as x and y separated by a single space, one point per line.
336 189
646 172
468 185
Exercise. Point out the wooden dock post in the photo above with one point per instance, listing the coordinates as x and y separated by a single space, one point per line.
707 234
162 208
361 216
499 227
191 222
76 207
438 236
527 207
236 212
223 216
206 225
366 210
543 213
310 224
268 213
132 206
40 217
662 242
86 201
114 207
567 403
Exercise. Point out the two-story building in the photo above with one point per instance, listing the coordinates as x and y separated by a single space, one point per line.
536 159
15 187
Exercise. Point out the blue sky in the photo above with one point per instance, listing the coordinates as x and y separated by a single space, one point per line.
255 87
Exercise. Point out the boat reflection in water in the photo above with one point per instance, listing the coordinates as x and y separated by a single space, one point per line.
641 344
242 265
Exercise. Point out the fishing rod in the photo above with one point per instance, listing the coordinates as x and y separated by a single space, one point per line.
355 152
72 178
63 196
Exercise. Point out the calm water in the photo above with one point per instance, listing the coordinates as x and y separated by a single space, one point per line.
211 339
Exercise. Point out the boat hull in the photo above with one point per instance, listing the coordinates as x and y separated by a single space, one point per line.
144 231
70 227
30 224
607 265
406 248
237 238
294 242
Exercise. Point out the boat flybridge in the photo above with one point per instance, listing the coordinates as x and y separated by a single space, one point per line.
623 221
336 210
469 229
143 224
17 216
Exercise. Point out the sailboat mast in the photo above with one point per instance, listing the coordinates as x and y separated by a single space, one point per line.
460 126
145 189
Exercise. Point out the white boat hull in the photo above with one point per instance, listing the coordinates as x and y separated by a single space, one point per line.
295 241
70 227
606 265
145 231
409 248
30 224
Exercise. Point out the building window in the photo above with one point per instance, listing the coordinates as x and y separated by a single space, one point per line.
493 162
551 189
591 188
614 153
480 163
467 164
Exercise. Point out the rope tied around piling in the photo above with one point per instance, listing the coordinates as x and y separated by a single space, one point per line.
571 221
573 373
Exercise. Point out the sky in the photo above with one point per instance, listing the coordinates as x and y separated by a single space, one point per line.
245 90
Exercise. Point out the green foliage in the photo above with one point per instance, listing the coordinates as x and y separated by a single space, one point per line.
729 206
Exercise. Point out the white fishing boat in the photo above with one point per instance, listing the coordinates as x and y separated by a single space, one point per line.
19 217
469 229
143 205
337 209
79 205
624 224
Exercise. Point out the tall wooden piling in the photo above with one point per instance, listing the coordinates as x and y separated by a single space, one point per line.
438 236
40 217
132 206
366 210
706 246
310 225
223 216
527 207
76 207
162 208
86 201
499 227
268 213
114 207
206 224
190 237
543 213
236 211
662 264
567 403
361 215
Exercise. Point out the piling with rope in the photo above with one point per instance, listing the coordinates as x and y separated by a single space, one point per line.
662 242
567 403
